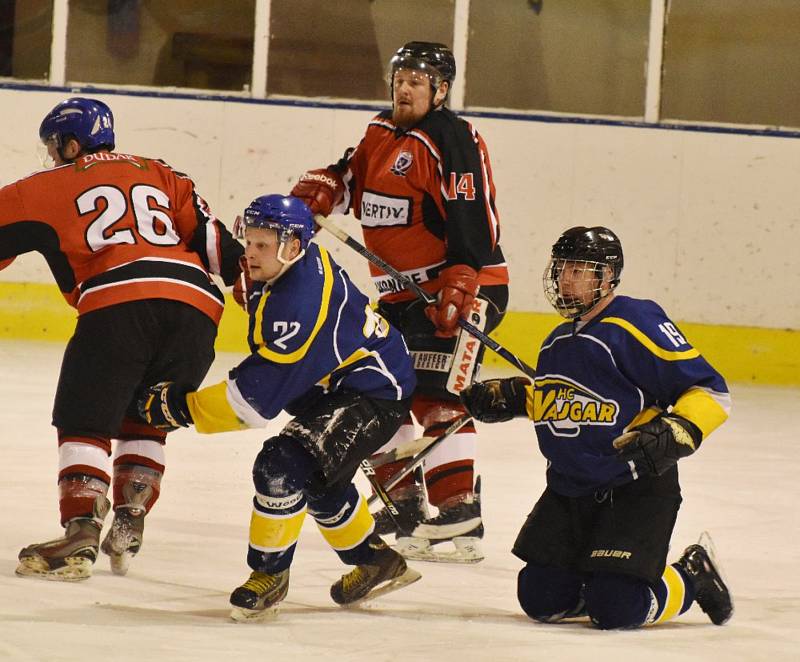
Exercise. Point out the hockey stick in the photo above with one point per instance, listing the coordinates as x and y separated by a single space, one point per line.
369 472
417 459
474 331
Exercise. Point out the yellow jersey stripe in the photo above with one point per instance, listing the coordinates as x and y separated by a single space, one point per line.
699 406
258 335
665 354
272 534
300 352
352 531
356 356
211 411
676 592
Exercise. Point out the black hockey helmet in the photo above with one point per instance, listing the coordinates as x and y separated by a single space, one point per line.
434 59
596 249
597 244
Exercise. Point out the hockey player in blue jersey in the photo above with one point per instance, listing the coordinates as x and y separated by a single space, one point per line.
320 353
619 397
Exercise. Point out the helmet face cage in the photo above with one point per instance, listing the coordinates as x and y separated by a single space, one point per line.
588 285
591 261
89 121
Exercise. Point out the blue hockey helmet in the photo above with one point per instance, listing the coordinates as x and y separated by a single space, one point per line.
89 121
287 215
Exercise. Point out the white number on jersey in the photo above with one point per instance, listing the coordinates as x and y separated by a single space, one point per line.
675 337
286 330
154 225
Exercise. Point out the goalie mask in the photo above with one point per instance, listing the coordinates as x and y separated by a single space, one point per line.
433 59
287 215
585 266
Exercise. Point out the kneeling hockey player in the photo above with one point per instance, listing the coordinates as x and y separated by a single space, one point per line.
320 353
620 396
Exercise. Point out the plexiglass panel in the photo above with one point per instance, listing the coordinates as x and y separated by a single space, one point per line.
342 48
574 56
205 44
732 61
26 29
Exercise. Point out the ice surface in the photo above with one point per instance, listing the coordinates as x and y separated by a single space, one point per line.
172 605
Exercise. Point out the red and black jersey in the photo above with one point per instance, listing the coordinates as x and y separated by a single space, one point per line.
426 200
116 228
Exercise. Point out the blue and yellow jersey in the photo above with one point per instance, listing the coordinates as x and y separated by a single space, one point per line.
618 370
311 332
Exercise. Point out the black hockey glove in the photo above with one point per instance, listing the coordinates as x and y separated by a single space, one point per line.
163 406
496 400
657 445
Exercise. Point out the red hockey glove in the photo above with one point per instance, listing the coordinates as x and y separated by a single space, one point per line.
241 287
320 189
459 287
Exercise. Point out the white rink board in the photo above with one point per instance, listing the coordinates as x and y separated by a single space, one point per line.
709 221
742 485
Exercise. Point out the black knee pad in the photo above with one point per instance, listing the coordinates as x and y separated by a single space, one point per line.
282 467
617 601
547 593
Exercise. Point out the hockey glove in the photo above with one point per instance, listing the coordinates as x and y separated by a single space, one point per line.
656 446
496 400
241 288
459 288
163 406
320 189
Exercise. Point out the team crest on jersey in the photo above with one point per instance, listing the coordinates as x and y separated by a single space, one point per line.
564 406
402 163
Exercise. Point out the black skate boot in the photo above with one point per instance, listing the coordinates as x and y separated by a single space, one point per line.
259 596
410 502
387 572
69 558
124 539
458 522
711 593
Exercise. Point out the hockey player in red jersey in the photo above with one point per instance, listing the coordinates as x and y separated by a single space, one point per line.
131 245
420 182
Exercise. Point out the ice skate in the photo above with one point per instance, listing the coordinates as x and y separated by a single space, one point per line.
69 558
124 539
700 563
459 523
410 502
259 596
388 572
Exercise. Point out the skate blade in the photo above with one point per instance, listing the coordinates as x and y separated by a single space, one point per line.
76 569
446 531
408 577
467 551
120 563
244 615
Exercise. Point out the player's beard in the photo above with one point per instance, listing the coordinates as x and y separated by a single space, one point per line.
403 115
